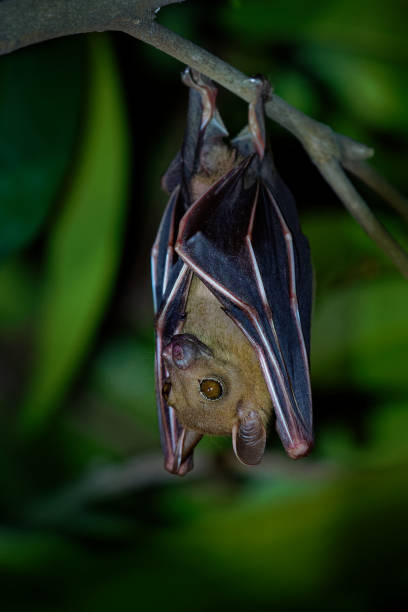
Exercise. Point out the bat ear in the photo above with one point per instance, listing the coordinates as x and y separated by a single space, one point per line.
249 437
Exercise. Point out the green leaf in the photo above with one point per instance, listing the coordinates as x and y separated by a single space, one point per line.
32 551
300 549
342 253
123 373
359 330
360 335
371 27
373 90
40 103
17 295
269 21
85 243
297 90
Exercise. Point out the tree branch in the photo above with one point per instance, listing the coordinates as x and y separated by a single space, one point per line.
24 22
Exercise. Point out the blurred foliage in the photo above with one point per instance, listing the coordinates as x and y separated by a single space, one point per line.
35 145
84 243
89 519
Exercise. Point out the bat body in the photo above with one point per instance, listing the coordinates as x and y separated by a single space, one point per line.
232 286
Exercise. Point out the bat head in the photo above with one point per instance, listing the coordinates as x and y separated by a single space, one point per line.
216 384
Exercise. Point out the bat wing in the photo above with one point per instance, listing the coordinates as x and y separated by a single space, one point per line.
242 238
171 277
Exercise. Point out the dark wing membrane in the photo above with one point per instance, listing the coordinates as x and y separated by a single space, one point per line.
168 319
282 258
170 281
237 241
185 163
171 277
199 128
204 125
303 266
163 256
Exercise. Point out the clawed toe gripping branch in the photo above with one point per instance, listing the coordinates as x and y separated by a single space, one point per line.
24 22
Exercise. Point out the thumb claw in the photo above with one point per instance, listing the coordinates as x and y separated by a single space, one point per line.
249 437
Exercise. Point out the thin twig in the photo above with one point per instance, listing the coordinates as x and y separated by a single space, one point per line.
24 22
379 184
336 177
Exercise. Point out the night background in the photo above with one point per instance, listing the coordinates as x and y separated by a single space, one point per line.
89 518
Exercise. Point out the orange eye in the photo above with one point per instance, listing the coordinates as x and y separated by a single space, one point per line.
211 389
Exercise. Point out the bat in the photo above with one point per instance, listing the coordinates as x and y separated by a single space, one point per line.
232 292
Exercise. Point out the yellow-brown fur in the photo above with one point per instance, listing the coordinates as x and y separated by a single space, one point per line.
233 360
218 162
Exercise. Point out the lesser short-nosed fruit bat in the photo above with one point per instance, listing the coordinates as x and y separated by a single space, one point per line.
232 287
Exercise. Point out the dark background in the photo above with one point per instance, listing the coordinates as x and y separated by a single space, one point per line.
89 519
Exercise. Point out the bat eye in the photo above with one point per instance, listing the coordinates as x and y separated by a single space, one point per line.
211 389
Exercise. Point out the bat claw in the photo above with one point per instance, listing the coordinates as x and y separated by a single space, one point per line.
208 91
182 461
300 449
